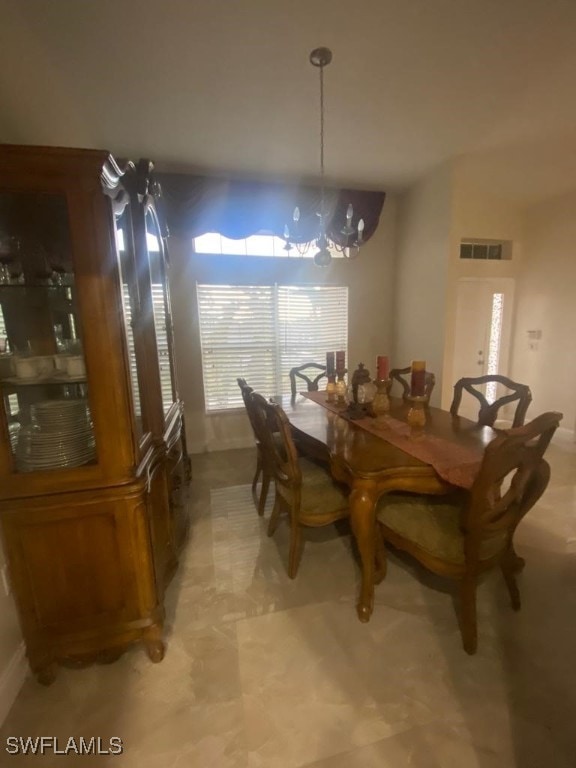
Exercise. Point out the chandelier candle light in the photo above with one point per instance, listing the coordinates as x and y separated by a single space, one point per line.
321 57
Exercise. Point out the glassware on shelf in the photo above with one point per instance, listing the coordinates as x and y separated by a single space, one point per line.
9 256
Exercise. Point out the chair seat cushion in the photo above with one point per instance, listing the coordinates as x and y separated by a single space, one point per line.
320 495
433 524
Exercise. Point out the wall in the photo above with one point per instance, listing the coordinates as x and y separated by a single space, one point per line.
477 212
545 302
423 247
13 667
370 281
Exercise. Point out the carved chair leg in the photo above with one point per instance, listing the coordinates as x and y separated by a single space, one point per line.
517 562
257 472
508 566
468 626
381 560
273 522
263 492
295 550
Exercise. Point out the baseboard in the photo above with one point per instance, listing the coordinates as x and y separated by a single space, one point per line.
11 680
224 444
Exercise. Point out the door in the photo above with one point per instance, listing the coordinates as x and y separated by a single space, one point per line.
482 337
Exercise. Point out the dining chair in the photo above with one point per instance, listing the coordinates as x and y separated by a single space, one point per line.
261 464
311 381
304 488
403 376
464 536
488 412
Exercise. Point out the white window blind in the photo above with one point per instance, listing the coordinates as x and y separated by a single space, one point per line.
260 332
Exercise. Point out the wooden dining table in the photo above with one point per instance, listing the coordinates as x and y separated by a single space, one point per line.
371 465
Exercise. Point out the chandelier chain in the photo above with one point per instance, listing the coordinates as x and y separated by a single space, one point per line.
322 126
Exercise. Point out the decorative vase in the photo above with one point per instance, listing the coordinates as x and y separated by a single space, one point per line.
416 417
381 401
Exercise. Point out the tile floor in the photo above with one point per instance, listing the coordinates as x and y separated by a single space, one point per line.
264 672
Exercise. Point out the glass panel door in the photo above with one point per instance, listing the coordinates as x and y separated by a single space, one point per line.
162 320
131 309
43 378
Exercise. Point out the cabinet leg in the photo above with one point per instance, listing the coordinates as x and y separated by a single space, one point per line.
46 674
154 644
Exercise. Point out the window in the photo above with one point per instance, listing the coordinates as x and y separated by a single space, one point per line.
256 245
259 332
491 250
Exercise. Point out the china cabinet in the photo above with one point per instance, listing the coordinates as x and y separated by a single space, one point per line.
93 462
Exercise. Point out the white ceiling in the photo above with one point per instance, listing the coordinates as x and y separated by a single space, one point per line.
225 86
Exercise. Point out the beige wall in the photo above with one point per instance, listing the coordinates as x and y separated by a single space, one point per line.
545 301
423 247
370 281
477 212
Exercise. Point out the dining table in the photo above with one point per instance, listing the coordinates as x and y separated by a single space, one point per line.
375 456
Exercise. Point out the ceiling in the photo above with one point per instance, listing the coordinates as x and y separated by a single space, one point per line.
226 86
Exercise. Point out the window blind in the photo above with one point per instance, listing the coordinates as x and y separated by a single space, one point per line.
260 332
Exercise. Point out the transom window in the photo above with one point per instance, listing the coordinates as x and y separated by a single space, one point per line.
256 245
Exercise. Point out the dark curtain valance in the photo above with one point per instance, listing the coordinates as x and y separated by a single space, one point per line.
237 209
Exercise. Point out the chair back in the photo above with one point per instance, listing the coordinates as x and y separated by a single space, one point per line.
311 380
246 392
275 437
512 477
402 375
488 412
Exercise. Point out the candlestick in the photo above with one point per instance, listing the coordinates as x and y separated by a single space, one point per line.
418 378
341 390
331 389
382 367
381 401
416 416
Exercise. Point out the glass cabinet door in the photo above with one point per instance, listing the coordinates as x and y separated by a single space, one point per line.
131 311
43 380
160 304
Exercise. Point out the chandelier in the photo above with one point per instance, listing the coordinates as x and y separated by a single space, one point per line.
352 239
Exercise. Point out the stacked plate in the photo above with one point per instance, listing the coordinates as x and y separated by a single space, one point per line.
60 436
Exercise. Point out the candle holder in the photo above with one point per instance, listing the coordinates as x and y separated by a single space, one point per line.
381 401
341 391
416 417
331 389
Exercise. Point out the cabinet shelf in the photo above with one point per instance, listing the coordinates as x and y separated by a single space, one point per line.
41 381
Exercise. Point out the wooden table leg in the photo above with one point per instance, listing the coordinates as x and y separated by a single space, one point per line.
363 523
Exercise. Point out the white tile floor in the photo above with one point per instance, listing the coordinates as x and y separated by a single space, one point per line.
262 671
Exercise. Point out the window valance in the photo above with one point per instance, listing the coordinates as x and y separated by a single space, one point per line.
237 209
